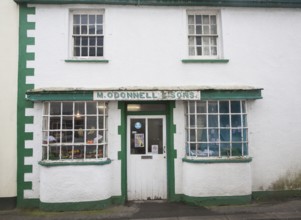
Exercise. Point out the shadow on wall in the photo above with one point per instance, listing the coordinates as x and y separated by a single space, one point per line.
290 181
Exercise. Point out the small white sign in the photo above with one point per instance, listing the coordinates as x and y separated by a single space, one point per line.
155 149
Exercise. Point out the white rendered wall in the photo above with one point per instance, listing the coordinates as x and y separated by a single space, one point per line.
144 44
219 179
75 183
9 19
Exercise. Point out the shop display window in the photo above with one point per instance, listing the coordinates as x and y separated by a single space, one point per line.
74 130
216 129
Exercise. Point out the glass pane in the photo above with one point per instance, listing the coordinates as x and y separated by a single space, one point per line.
76 19
84 19
54 152
198 19
213 135
45 137
99 19
44 153
84 41
224 135
192 122
79 152
192 137
206 29
100 151
212 107
90 151
236 135
206 40
224 107
205 19
225 149
67 108
99 29
99 137
213 41
236 149
46 108
190 29
191 106
202 135
207 51
91 122
92 41
191 41
191 51
45 123
245 134
214 51
84 51
243 105
76 29
91 29
224 121
67 136
66 152
55 123
213 150
79 122
101 122
91 136
99 41
199 51
84 29
235 106
213 19
99 51
201 121
79 108
55 108
213 29
54 137
92 51
202 150
76 51
155 136
92 19
67 122
192 150
198 40
146 107
190 19
79 136
199 29
245 149
137 136
101 108
244 122
201 107
213 121
235 121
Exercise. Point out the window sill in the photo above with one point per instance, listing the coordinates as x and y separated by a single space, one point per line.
74 163
218 160
86 61
205 61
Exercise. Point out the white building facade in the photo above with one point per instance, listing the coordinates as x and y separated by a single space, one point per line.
8 114
123 100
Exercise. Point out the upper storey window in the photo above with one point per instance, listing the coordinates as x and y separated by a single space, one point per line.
203 34
87 34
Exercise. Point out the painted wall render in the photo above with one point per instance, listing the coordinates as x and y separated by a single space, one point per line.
144 44
8 89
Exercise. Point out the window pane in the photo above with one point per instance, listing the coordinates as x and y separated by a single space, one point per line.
191 51
212 19
84 29
236 135
201 121
91 151
202 135
91 29
79 136
44 153
224 107
91 135
79 152
92 52
205 19
202 150
54 137
100 151
79 108
198 40
192 121
206 40
199 51
212 107
67 136
79 122
67 108
191 29
76 19
192 135
100 122
190 19
213 149
198 19
199 29
236 149
91 108
99 19
67 122
191 41
54 152
213 29
55 123
76 29
99 51
207 51
213 135
92 41
235 106
76 51
213 51
235 121
224 135
92 19
66 152
55 108
225 149
91 122
206 29
84 19
201 107
99 29
224 121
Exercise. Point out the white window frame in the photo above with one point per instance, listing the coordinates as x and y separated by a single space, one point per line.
198 145
98 140
71 34
218 34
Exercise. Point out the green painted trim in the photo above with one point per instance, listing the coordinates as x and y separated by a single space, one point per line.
73 163
268 195
22 104
86 61
205 61
213 3
78 206
216 200
231 94
60 96
122 154
218 160
171 152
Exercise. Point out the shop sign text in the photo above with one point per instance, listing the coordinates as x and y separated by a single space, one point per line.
147 95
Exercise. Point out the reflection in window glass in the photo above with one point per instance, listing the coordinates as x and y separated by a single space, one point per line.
219 131
74 130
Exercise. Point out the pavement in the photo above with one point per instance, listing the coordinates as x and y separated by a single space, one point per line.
160 210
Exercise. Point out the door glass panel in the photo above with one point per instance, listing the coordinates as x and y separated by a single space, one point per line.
145 107
155 136
137 136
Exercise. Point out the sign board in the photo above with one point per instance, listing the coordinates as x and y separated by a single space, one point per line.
147 95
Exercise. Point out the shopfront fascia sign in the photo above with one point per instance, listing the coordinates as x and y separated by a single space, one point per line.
147 95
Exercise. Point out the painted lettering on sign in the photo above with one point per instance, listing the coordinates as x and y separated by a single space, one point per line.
147 95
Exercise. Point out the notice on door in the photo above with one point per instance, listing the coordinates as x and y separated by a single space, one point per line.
139 140
155 149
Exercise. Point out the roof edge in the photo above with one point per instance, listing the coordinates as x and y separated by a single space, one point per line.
212 3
